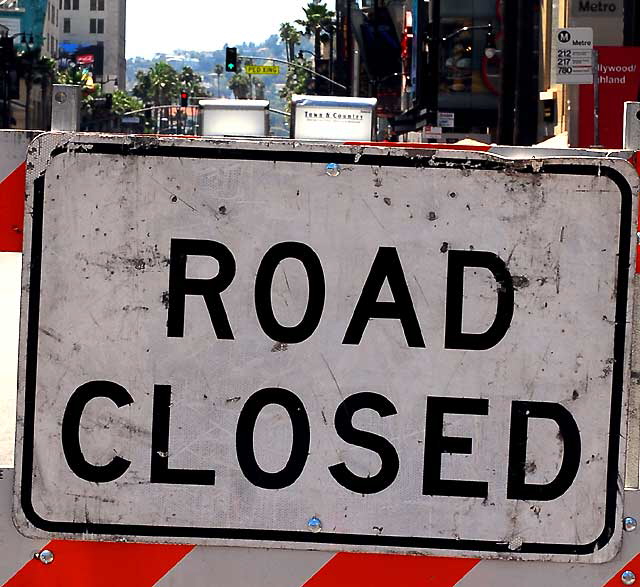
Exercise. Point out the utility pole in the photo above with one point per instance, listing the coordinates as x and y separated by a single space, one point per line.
7 57
431 75
631 23
518 115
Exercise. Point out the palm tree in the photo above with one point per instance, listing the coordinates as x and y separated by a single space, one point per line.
142 88
319 24
297 81
240 85
290 37
164 83
192 82
219 70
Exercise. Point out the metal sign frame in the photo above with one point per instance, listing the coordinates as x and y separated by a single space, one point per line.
29 520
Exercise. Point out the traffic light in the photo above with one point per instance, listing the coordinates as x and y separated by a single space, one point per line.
231 61
184 99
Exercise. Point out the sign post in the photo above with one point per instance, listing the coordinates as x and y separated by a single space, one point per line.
574 56
324 347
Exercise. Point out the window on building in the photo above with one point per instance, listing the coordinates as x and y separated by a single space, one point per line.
101 5
76 4
92 25
92 5
100 26
66 25
60 5
67 4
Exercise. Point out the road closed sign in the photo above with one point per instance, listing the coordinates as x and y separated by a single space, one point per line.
327 347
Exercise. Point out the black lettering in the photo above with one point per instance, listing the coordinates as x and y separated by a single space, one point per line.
517 487
387 266
160 471
299 445
264 281
435 444
454 338
210 289
390 463
71 431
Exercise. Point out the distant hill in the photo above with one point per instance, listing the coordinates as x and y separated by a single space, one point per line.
204 62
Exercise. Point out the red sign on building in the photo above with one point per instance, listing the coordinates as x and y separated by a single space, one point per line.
619 82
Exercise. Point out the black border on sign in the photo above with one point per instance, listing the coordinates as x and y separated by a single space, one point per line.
391 160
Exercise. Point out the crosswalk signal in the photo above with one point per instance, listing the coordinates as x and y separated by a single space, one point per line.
184 99
231 61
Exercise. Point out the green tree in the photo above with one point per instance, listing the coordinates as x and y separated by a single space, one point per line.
290 36
297 81
78 76
318 23
142 88
192 82
240 85
160 85
123 102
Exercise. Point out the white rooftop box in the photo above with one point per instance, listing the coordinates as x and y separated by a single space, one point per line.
333 118
247 118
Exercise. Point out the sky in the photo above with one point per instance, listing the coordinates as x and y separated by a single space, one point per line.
163 26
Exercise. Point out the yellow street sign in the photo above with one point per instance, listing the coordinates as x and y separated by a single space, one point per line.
262 69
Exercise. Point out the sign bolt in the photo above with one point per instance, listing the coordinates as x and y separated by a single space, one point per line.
628 578
630 524
333 169
314 524
45 557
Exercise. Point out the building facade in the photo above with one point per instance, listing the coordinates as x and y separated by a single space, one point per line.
101 24
31 25
11 15
447 69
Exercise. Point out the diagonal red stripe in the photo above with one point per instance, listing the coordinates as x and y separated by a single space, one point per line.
383 570
12 210
633 565
100 564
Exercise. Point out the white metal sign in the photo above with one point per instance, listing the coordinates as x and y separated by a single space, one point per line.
446 119
573 55
332 118
324 347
